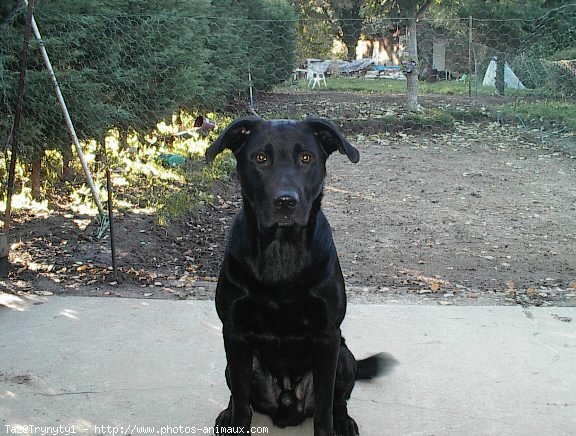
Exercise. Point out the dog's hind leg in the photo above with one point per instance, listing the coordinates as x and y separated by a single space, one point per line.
344 425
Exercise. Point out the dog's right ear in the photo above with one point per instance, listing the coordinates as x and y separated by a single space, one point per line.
233 137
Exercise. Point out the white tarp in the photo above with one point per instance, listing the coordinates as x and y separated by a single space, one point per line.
510 79
347 67
342 67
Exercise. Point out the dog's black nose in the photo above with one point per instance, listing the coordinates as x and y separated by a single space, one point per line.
286 200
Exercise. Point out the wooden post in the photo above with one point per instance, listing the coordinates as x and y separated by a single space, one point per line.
470 53
18 115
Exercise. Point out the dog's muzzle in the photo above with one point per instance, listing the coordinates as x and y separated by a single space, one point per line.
286 205
286 201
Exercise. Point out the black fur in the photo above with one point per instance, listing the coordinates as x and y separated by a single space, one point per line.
280 294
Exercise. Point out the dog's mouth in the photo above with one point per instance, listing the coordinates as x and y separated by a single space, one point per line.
287 219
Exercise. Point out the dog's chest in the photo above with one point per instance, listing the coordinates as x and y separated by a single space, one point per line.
287 322
280 262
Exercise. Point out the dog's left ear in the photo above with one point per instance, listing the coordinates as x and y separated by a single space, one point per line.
331 139
233 137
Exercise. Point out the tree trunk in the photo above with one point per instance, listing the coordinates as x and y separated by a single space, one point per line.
67 173
180 121
412 68
351 56
123 139
99 155
351 31
390 53
350 22
499 80
36 178
371 47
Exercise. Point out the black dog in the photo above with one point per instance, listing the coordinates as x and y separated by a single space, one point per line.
280 294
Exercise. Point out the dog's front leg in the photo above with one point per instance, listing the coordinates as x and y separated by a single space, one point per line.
325 362
239 357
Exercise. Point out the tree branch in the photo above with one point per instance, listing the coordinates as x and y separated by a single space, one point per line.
423 9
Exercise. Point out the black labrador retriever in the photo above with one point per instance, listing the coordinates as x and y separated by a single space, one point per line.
280 293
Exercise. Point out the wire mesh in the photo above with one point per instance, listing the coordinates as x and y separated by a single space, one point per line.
125 70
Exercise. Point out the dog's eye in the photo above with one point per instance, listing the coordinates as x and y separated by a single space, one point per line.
261 157
306 157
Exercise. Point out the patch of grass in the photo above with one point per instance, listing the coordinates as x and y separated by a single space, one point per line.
366 85
470 114
177 204
192 194
222 166
172 207
434 118
438 120
546 114
176 192
389 86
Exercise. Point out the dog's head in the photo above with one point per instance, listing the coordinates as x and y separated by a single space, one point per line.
281 164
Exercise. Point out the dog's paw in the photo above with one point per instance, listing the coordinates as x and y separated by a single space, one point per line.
345 426
224 426
223 422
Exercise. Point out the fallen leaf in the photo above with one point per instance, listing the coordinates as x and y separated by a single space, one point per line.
435 287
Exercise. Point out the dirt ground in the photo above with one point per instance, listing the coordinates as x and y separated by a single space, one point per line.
479 214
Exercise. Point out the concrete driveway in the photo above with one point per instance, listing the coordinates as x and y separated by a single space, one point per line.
73 365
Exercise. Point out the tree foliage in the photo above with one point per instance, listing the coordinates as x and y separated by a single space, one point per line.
128 65
348 15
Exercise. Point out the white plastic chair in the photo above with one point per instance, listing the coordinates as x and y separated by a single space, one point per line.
315 78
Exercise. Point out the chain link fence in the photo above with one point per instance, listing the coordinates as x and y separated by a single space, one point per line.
157 78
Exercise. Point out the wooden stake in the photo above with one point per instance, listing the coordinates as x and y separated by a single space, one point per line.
110 214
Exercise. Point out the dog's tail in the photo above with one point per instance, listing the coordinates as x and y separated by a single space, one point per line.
373 366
